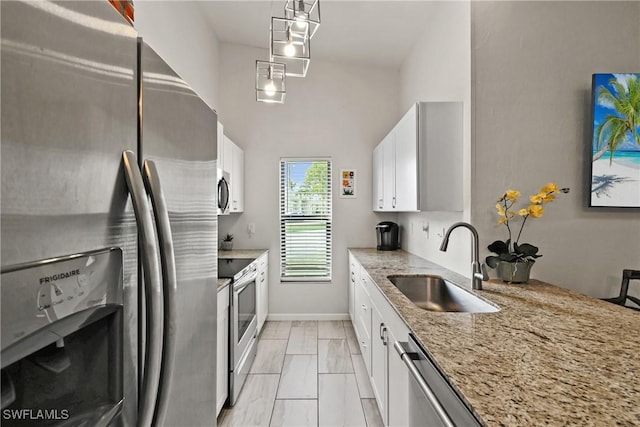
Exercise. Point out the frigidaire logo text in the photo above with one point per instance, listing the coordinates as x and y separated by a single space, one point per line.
63 275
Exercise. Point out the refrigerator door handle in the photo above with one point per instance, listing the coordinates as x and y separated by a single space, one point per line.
170 287
153 289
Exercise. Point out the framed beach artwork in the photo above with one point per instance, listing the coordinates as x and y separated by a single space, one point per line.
348 184
615 142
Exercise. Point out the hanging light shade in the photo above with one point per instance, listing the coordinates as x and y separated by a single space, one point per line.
305 13
270 82
290 45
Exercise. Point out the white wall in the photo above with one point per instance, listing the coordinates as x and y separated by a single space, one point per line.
532 66
338 110
438 68
181 35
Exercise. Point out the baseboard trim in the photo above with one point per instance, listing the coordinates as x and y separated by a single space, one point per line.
307 316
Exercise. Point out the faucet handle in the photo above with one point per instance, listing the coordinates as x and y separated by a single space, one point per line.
485 274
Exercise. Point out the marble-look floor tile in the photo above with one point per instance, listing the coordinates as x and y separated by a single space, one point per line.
308 323
303 340
255 404
352 340
295 413
276 330
299 379
338 401
270 357
331 329
371 413
334 357
362 377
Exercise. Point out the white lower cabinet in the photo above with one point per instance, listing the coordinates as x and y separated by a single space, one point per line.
378 327
222 366
262 306
354 277
379 361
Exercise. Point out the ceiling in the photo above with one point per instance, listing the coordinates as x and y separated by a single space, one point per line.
379 33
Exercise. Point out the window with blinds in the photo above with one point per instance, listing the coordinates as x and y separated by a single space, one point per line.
305 220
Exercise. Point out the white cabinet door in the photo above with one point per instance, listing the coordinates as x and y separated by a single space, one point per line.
406 163
379 361
262 308
233 162
227 155
362 323
220 145
222 350
378 195
237 180
354 277
389 173
398 380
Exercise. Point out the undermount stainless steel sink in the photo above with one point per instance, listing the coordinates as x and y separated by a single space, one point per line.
433 293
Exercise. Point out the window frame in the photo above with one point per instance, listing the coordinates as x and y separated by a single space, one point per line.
283 220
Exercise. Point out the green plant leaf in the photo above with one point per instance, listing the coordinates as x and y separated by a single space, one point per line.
525 249
499 247
508 257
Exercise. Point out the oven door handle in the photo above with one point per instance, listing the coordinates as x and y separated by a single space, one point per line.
170 286
153 289
407 358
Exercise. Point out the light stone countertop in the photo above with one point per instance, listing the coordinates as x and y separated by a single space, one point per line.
223 282
241 253
550 356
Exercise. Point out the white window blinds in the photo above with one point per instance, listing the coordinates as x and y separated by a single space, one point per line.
305 220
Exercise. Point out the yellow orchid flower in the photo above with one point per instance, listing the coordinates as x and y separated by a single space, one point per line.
537 199
550 188
549 197
536 211
503 220
500 208
523 212
512 195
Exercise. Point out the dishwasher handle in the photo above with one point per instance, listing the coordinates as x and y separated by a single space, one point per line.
408 358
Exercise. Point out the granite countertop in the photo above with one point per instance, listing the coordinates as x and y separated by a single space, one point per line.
223 282
241 253
549 356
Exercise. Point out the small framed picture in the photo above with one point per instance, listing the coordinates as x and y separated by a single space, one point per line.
348 184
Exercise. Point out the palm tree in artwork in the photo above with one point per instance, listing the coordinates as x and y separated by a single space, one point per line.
612 132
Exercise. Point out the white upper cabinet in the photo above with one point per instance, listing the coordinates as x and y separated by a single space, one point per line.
231 160
378 195
421 165
237 180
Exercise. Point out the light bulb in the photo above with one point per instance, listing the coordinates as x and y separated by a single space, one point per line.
270 88
301 22
289 49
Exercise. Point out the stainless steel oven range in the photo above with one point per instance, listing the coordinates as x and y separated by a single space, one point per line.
242 322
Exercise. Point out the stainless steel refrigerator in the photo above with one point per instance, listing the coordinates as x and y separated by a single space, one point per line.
105 146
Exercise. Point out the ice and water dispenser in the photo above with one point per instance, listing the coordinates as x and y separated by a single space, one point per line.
62 341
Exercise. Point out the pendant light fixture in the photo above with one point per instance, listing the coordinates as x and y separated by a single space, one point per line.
289 45
304 13
270 82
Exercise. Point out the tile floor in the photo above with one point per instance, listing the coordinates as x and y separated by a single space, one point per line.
307 373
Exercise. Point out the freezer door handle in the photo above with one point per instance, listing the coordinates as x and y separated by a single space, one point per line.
170 287
153 289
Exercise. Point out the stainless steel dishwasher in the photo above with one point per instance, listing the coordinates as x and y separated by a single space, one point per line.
432 401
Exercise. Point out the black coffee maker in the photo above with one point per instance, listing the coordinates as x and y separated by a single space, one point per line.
388 236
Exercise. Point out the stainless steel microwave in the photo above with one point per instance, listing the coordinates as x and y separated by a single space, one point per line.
224 192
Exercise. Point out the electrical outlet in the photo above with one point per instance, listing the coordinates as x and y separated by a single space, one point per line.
251 229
